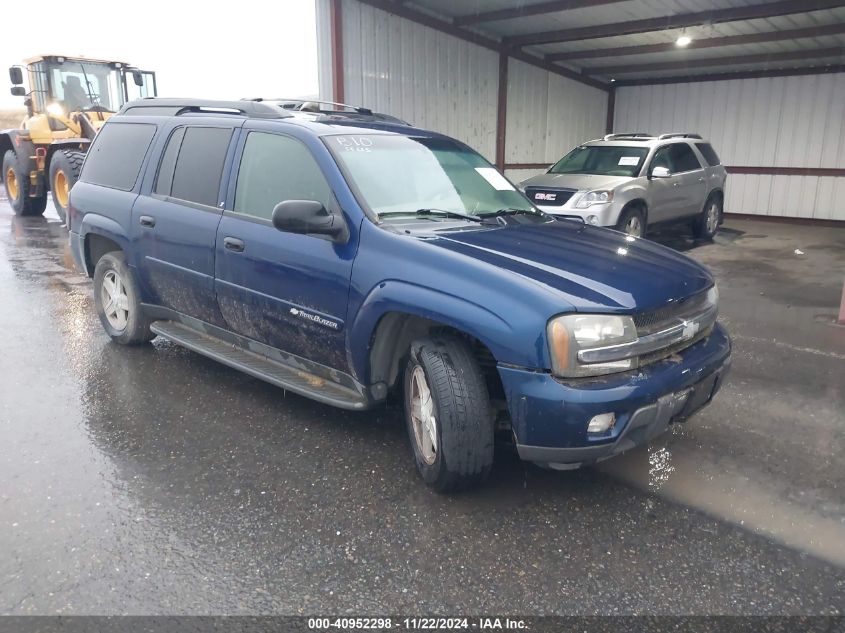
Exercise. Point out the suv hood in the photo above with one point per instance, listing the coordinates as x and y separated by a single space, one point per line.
576 181
594 268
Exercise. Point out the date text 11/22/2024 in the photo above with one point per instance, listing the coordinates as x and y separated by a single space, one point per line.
420 623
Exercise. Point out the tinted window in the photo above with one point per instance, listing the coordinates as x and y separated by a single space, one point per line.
662 158
115 157
277 168
709 153
606 160
164 182
199 165
683 158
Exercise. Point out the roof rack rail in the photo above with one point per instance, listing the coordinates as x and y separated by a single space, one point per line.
611 137
157 106
297 104
663 137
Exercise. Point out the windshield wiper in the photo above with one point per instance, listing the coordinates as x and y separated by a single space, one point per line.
501 212
442 212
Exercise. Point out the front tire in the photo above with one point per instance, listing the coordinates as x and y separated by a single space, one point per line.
632 222
118 302
705 226
16 181
64 172
448 414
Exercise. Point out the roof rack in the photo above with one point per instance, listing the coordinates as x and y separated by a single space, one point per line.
298 104
663 137
156 106
613 137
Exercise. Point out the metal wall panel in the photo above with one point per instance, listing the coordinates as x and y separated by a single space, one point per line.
324 49
766 122
548 114
425 77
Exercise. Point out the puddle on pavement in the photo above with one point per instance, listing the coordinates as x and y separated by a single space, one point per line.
675 471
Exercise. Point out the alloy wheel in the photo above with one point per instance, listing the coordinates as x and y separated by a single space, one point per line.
634 226
422 416
115 300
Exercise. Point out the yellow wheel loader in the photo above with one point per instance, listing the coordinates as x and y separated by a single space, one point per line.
68 100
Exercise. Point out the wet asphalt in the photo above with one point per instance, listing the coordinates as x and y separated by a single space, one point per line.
154 481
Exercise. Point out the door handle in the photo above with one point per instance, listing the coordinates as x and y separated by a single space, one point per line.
676 184
234 244
147 221
701 179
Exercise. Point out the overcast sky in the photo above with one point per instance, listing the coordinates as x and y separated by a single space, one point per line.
215 50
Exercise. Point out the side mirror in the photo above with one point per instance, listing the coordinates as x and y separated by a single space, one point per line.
307 217
18 91
660 172
138 78
16 75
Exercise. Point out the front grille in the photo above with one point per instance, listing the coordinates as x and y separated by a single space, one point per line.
660 319
549 197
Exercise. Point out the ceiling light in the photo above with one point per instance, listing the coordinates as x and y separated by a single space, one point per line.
683 40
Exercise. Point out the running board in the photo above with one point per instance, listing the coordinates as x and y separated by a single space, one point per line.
257 365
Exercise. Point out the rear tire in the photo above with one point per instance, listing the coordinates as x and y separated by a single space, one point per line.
64 172
451 426
705 226
16 181
118 302
632 222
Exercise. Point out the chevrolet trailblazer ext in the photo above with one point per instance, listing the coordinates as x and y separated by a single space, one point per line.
343 254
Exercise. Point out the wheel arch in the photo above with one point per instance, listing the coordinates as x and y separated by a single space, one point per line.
638 203
396 331
397 312
100 235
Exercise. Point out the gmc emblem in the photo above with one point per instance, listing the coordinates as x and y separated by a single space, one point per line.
545 196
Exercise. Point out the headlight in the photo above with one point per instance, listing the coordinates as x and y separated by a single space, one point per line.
713 296
55 109
572 333
594 197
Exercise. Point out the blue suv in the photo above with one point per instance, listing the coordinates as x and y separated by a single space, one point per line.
344 255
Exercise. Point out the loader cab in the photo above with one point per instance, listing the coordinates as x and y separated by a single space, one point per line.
61 85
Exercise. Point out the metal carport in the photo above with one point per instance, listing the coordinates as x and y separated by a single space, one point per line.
523 82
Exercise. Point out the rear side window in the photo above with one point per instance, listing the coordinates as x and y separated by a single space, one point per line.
709 154
192 164
682 158
115 158
274 169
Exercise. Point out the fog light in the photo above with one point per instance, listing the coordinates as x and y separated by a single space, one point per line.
601 423
593 219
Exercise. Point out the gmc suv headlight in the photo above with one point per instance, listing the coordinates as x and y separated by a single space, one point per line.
594 197
573 333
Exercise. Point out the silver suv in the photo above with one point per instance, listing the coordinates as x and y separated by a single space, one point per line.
632 181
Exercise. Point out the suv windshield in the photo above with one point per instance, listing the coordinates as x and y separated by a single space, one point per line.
604 160
439 178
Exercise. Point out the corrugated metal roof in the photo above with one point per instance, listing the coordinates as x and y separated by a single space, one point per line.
613 12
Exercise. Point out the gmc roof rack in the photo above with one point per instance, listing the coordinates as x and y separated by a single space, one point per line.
663 137
156 106
618 135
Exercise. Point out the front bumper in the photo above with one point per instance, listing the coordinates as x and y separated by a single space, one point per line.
550 416
605 214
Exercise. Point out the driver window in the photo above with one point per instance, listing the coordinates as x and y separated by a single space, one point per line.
662 158
276 168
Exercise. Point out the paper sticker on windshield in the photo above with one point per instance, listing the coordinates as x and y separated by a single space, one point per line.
630 161
494 178
354 143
